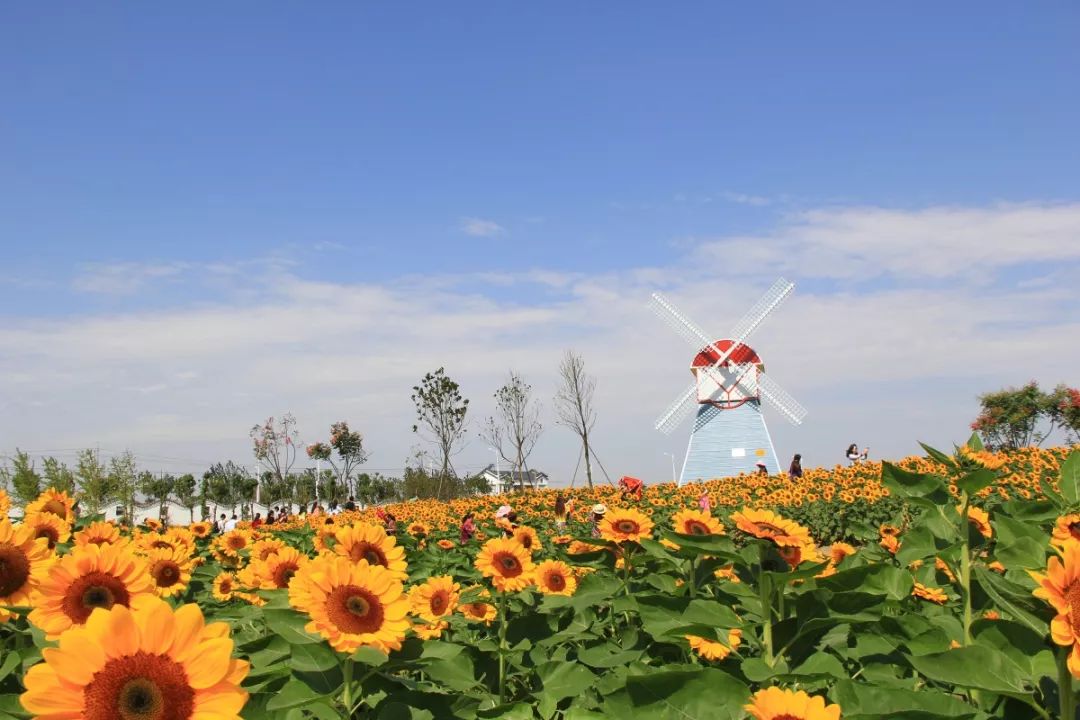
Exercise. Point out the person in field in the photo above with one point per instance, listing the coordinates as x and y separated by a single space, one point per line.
795 470
468 528
703 501
599 510
631 487
560 513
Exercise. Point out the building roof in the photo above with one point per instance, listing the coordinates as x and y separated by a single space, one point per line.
530 477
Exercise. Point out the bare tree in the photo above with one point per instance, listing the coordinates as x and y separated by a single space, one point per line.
574 402
516 427
440 411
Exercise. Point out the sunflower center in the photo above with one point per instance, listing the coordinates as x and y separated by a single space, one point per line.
166 574
626 526
93 590
46 531
438 603
769 528
1074 529
161 545
1072 596
697 528
56 508
225 586
283 574
477 609
14 569
367 551
354 609
139 687
508 565
237 542
556 582
526 541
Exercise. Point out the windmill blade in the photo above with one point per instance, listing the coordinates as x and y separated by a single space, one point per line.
777 397
679 322
771 300
678 411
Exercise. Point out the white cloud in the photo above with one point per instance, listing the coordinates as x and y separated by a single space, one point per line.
124 278
885 363
745 199
478 227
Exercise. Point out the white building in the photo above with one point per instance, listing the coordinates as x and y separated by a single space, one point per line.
508 480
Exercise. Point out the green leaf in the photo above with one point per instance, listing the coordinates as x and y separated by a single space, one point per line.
1023 552
370 656
289 624
313 658
456 674
914 485
977 667
563 680
975 442
294 694
701 694
976 480
821 663
1020 643
877 701
888 580
1014 599
1070 478
11 661
939 456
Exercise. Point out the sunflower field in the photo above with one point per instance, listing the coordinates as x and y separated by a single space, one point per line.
944 586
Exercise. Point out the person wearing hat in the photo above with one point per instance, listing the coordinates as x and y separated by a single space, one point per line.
762 468
599 510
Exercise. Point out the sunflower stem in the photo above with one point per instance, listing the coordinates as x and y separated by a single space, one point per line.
691 579
765 596
1065 690
502 647
965 566
346 696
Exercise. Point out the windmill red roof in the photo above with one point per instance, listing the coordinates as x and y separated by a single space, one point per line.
743 354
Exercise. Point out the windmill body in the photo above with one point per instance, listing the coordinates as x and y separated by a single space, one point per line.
729 435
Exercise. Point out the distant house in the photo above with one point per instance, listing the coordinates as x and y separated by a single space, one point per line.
509 480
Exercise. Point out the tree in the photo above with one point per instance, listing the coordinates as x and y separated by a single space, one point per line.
228 485
274 445
1014 418
349 446
157 487
124 481
58 475
93 481
574 403
1066 411
516 427
187 493
25 480
440 415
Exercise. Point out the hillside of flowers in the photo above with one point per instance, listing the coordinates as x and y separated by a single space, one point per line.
938 586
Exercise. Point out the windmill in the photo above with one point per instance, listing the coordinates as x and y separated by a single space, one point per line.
729 434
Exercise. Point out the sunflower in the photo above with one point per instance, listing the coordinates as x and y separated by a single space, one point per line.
419 529
528 538
1066 529
170 569
95 576
768 525
507 563
5 503
795 555
554 577
262 549
932 594
726 573
152 523
577 547
446 544
325 538
146 663
980 520
275 572
478 611
435 598
49 526
201 529
23 561
430 631
562 539
98 533
56 502
776 704
231 543
621 525
1060 586
351 605
224 586
839 551
943 567
371 544
696 522
714 649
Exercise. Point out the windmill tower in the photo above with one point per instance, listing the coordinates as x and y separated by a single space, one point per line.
729 434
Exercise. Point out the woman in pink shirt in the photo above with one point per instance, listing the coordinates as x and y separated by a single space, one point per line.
703 501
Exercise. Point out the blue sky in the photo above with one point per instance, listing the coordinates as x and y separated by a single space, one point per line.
160 162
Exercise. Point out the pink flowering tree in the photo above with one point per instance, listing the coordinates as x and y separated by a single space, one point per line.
274 444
